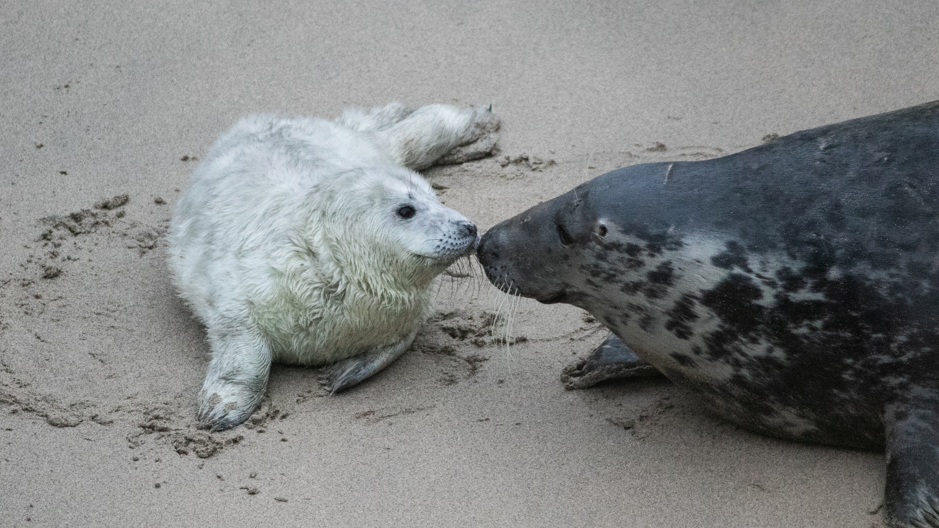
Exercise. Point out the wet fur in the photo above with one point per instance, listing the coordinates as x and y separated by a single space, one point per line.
289 247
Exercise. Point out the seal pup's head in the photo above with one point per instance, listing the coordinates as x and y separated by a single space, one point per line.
384 230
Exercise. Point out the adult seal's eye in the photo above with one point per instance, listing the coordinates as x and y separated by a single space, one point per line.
406 211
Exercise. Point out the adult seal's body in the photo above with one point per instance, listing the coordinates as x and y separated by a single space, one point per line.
794 286
313 242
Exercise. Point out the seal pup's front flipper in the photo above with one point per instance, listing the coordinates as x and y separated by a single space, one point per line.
237 377
611 360
349 372
911 496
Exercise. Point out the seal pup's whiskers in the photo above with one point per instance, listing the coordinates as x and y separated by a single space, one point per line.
463 268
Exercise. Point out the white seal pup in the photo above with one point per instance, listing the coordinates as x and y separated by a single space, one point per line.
314 242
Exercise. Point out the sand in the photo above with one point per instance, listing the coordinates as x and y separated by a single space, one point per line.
100 362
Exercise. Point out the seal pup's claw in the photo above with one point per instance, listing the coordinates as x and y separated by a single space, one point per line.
611 360
218 412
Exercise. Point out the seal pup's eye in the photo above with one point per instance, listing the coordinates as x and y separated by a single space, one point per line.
601 230
564 235
406 211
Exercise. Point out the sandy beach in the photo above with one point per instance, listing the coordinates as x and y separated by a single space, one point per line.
100 362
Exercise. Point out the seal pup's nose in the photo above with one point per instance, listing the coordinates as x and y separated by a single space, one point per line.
467 229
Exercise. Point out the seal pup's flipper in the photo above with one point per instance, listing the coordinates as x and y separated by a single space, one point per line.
237 377
478 143
374 119
611 360
349 372
441 134
431 135
911 496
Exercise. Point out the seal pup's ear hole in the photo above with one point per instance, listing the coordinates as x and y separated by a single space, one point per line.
601 230
406 211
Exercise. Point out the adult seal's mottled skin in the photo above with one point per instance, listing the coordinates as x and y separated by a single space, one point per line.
794 286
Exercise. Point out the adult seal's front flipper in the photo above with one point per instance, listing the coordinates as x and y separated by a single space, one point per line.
912 491
611 360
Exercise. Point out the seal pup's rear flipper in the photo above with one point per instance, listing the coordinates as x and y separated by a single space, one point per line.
431 135
441 134
912 491
356 369
478 143
374 119
611 360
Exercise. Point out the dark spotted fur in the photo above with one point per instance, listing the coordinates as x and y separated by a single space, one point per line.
793 286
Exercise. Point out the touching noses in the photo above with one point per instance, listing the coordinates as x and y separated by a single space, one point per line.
466 229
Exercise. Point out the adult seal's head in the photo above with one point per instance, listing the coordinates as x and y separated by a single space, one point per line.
793 286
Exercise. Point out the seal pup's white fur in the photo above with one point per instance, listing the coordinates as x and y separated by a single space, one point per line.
312 242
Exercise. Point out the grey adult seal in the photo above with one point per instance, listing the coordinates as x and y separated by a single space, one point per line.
794 287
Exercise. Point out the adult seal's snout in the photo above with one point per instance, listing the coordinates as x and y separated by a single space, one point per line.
488 256
794 287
